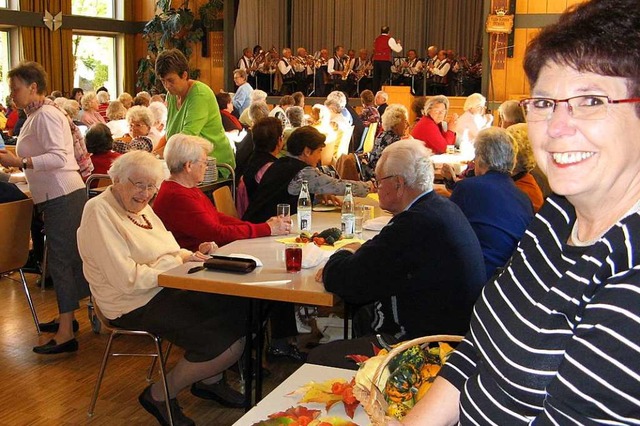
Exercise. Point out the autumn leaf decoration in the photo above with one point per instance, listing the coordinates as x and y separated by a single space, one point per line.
331 392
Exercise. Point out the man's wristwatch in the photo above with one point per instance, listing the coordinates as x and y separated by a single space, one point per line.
24 163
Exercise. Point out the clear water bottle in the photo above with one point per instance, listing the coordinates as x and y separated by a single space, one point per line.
304 208
348 213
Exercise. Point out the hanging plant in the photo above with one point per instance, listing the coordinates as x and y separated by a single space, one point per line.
211 12
169 28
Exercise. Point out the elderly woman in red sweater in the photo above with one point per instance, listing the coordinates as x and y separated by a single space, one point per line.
188 213
429 128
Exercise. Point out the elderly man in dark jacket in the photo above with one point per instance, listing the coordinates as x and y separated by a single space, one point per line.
422 272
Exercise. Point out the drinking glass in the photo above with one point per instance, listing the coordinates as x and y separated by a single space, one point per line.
363 213
293 257
283 210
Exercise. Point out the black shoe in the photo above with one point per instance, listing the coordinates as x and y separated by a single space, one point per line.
51 347
159 409
219 392
52 326
291 352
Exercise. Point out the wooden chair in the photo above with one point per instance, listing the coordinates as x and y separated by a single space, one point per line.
15 228
224 201
371 136
158 355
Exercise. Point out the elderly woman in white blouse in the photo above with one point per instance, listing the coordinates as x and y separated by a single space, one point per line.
472 120
124 247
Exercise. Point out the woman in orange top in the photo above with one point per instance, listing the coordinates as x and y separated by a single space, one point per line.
525 162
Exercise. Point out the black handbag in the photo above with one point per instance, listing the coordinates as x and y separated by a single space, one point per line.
230 264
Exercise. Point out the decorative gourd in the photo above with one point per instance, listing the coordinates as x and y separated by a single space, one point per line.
403 383
397 410
414 356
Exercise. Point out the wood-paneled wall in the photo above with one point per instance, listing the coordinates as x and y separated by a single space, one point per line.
510 82
211 67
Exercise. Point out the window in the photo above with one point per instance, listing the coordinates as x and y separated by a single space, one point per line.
95 62
4 65
3 3
95 8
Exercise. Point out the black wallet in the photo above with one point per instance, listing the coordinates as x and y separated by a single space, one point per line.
231 264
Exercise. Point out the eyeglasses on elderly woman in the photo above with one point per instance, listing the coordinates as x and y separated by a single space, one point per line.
141 187
583 107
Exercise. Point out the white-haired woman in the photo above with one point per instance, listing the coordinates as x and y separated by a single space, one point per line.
116 112
140 121
255 96
430 129
90 114
159 112
473 119
103 103
395 122
124 247
188 213
498 211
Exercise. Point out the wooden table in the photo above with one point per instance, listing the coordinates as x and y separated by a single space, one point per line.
269 282
280 400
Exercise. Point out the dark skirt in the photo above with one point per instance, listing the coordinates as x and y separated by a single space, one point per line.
203 324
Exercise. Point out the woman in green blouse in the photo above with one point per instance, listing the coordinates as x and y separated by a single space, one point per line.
192 107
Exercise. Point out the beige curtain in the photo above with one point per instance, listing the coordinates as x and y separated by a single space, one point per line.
51 49
453 24
260 22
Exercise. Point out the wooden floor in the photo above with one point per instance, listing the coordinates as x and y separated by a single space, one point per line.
56 389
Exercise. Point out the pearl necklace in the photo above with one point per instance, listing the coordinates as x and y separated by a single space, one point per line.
145 225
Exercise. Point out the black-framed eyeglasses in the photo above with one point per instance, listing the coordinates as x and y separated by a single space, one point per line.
583 107
378 181
140 187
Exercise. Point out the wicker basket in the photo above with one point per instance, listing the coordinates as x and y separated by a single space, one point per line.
372 399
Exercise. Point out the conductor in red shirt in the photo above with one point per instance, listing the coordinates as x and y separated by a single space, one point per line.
382 47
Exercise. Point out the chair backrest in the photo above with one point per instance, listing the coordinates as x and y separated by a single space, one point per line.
365 132
96 180
15 228
224 201
343 144
371 135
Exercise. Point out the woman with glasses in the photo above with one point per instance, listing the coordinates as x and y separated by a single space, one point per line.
555 338
124 247
140 121
188 213
395 122
430 129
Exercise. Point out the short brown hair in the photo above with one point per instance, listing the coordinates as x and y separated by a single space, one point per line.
266 133
305 137
367 97
223 99
599 36
171 60
31 72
